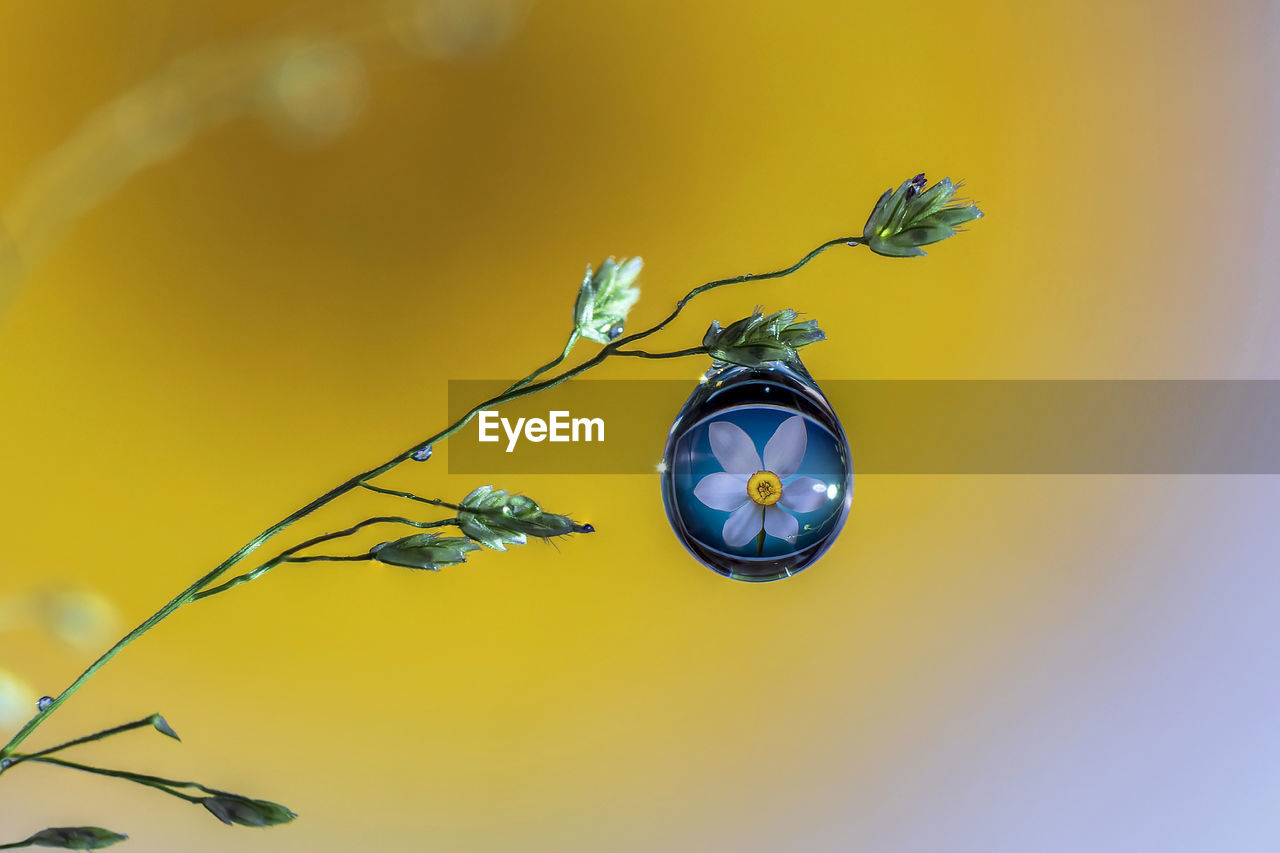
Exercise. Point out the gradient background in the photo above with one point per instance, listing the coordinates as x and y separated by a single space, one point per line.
253 308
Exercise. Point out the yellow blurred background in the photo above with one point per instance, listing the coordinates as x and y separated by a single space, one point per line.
250 243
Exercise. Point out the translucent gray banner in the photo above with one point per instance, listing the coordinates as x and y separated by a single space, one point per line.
904 427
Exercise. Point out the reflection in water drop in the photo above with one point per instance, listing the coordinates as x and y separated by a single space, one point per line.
757 474
43 703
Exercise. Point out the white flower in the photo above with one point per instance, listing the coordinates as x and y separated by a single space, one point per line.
758 496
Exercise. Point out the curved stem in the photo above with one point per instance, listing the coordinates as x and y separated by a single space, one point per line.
555 362
285 555
319 558
516 391
739 279
160 784
411 496
145 722
680 353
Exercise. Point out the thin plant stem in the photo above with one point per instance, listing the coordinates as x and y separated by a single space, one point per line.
681 353
105 733
519 390
286 555
352 558
411 496
160 784
555 362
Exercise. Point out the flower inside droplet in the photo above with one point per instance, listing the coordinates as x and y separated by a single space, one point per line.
764 488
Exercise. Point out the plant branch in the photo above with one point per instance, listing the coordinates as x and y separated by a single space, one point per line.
145 722
160 784
520 389
286 555
555 362
411 496
681 353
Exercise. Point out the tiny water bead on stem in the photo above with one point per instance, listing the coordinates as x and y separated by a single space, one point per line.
494 519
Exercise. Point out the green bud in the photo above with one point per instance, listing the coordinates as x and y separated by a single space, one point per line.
755 340
162 726
879 217
428 551
488 534
486 498
953 216
905 219
604 299
496 519
921 235
234 809
802 334
585 306
545 525
74 838
519 506
713 332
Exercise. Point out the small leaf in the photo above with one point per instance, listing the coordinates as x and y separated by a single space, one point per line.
475 496
487 533
604 299
879 215
583 308
75 838
545 525
519 506
424 551
234 809
929 202
954 216
162 726
921 235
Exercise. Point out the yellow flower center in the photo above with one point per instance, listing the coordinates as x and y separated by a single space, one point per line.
764 488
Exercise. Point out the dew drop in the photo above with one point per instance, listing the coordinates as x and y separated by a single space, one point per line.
43 702
615 331
422 454
741 421
5 763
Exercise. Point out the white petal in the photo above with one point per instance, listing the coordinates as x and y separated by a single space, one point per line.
722 491
734 449
742 526
780 524
803 494
784 451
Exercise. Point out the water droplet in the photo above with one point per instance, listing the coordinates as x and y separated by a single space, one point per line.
585 528
615 331
43 702
5 763
745 421
422 454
